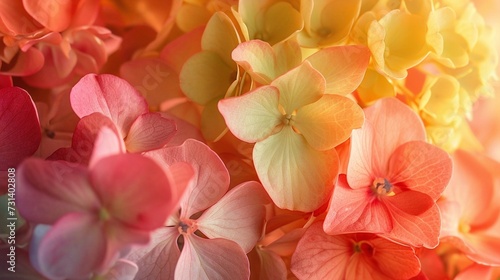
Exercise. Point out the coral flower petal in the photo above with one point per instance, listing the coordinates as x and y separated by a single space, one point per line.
56 15
421 167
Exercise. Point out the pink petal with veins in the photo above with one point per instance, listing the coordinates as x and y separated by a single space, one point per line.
211 259
19 127
211 180
111 96
150 131
238 216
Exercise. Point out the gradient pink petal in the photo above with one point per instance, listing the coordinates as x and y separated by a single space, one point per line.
83 234
211 179
239 216
84 138
122 270
19 127
111 96
211 259
421 167
321 256
107 143
253 116
47 190
356 210
150 131
158 259
343 67
134 189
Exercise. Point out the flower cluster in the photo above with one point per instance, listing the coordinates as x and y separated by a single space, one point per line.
242 139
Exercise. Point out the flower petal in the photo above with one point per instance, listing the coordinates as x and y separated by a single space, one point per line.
394 260
84 235
159 258
329 121
84 138
238 216
107 143
19 127
47 190
415 230
211 259
150 131
316 251
421 167
343 67
122 270
300 86
296 176
253 116
122 191
55 15
111 96
356 210
205 76
258 59
211 179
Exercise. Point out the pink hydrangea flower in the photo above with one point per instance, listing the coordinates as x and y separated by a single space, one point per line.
393 179
108 101
211 234
88 217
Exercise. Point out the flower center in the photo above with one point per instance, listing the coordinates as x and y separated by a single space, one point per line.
187 226
382 186
364 248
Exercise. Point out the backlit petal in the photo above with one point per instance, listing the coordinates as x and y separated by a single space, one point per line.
296 176
300 86
238 216
253 116
211 259
109 95
329 121
342 67
150 131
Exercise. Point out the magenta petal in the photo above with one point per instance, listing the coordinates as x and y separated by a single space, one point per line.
134 189
111 96
73 247
211 179
211 259
19 127
150 131
159 258
238 216
47 190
